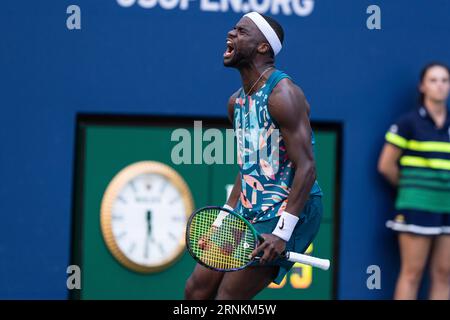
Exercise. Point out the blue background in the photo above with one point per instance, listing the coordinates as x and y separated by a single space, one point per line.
155 61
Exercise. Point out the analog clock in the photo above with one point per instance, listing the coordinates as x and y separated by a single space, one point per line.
143 216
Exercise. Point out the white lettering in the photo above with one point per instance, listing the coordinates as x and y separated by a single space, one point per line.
300 8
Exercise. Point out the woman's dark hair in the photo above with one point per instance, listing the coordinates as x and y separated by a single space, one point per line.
424 72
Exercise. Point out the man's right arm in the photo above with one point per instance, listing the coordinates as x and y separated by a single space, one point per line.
236 191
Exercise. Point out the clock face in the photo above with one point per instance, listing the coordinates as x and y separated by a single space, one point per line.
144 215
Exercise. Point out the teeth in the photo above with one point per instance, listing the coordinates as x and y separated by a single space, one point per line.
229 49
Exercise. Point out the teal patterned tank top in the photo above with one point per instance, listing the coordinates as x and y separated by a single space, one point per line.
266 172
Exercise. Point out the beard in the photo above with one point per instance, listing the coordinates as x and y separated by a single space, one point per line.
239 59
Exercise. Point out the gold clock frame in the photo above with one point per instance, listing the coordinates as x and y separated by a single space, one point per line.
110 194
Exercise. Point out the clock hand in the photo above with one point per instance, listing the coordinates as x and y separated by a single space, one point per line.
149 222
146 250
149 231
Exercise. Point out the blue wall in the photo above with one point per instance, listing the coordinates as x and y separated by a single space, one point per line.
155 61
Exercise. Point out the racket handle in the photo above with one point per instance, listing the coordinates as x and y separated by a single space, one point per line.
323 264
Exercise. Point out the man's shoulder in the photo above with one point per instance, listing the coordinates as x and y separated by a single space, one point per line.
286 89
286 85
233 97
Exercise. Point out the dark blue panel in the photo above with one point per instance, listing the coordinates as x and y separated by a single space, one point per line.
155 61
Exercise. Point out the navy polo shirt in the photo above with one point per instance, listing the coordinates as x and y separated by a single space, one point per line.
425 162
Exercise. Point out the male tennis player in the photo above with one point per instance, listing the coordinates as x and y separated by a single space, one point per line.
277 193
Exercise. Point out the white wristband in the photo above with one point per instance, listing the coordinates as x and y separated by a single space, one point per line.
226 206
285 226
218 222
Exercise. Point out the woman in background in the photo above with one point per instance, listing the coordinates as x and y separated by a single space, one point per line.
416 160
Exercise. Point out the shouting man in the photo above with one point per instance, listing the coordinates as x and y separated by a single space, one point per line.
276 188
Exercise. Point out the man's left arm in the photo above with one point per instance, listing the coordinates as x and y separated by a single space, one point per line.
289 108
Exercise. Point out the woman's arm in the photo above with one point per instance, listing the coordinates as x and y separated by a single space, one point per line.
388 163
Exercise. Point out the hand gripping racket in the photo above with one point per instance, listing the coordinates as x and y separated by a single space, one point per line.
222 240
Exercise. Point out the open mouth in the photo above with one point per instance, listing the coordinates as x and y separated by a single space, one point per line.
229 50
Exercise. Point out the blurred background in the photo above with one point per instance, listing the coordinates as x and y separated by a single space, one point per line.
80 105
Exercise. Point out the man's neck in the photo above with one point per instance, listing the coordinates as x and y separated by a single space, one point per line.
251 73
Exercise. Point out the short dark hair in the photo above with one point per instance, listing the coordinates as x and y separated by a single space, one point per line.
276 27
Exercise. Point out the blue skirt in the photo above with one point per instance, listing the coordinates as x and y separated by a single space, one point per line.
420 222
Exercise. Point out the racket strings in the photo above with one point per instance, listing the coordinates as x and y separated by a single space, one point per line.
226 248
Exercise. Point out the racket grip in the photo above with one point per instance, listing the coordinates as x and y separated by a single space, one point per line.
323 264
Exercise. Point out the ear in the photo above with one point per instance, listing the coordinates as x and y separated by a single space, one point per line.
263 48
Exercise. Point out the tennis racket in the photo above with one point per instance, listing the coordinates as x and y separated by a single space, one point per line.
222 240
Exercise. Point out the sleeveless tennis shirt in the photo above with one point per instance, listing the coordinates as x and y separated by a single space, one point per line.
265 169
